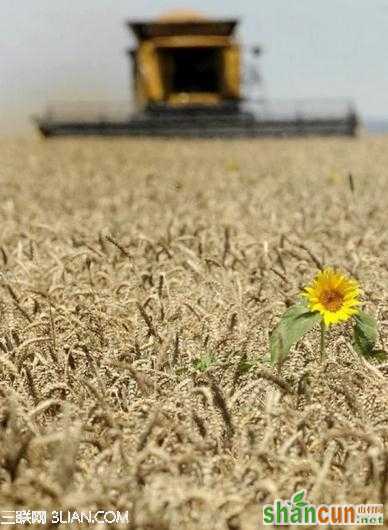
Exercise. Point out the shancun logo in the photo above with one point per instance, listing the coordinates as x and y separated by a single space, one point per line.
298 511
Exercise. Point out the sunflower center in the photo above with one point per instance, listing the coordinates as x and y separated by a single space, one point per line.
332 300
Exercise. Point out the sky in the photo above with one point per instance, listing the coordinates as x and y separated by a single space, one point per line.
71 50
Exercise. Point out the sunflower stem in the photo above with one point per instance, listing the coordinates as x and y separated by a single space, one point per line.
323 341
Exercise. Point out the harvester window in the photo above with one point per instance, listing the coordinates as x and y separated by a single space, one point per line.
192 70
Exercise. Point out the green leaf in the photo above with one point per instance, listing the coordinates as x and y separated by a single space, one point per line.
365 334
244 366
297 498
380 355
203 363
294 323
377 355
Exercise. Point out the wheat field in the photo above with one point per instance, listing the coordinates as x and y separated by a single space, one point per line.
139 282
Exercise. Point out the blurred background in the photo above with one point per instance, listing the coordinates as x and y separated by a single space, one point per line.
72 51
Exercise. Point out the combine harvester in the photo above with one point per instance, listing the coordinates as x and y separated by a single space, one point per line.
187 82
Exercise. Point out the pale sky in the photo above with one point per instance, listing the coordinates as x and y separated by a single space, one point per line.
75 50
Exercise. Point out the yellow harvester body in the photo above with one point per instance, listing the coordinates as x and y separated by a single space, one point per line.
186 60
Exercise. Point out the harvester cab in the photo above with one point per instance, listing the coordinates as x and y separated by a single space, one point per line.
185 60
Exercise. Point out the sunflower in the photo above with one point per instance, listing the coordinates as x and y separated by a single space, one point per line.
334 295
